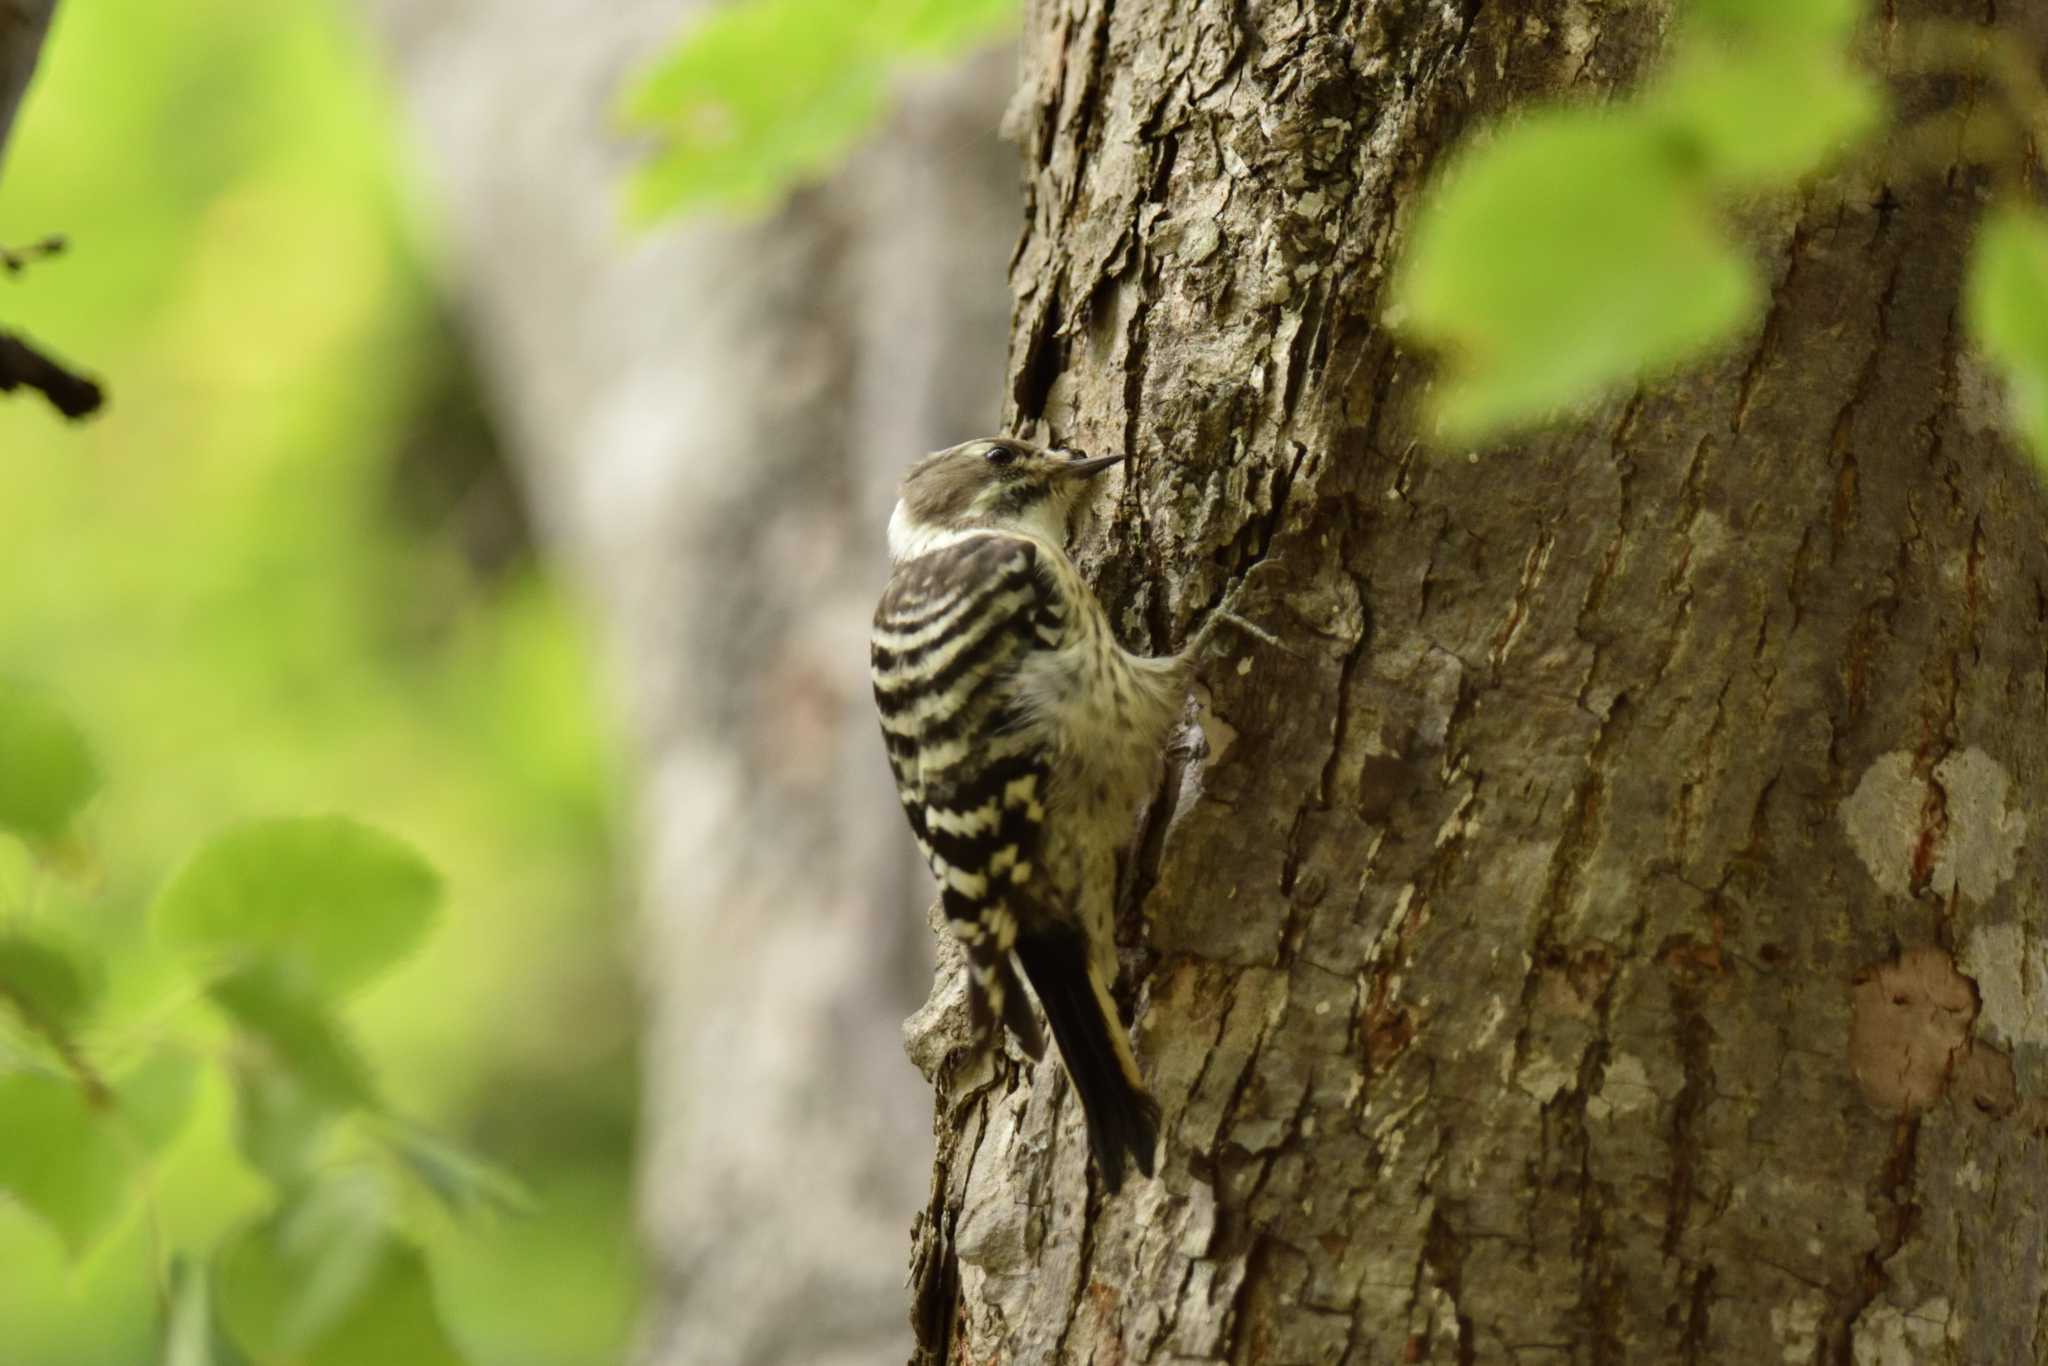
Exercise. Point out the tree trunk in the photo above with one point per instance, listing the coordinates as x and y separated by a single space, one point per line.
22 26
1597 931
711 420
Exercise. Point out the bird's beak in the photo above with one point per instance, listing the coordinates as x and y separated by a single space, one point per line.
1086 468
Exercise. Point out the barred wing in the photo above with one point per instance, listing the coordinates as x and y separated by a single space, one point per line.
953 628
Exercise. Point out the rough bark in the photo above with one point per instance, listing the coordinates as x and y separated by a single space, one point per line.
710 421
1610 927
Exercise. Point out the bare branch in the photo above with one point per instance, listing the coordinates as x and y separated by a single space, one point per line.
22 366
23 24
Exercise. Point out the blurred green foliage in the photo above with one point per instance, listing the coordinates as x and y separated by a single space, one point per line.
46 769
2007 308
1573 251
1580 248
760 94
263 1069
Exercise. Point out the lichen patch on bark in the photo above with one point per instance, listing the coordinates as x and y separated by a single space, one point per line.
1888 1336
1883 817
1796 1325
2012 983
1984 826
1624 1089
1955 828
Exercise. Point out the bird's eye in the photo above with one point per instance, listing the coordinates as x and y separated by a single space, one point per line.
1000 455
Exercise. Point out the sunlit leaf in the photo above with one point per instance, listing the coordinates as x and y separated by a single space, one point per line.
156 1098
325 1283
17 870
300 1032
68 1146
192 1331
1781 23
47 983
46 768
2006 301
1569 253
761 93
1759 118
61 1156
939 27
325 901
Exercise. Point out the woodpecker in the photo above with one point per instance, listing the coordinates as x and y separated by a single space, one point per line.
1024 740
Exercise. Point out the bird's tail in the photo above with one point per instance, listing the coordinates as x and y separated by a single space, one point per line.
1122 1118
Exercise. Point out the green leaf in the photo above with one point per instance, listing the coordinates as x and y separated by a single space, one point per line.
395 1318
762 93
300 1033
192 1332
49 985
2006 304
1781 23
327 902
46 768
69 1155
62 1157
325 1283
281 1125
1763 117
938 28
156 1097
463 1182
1571 252
286 1281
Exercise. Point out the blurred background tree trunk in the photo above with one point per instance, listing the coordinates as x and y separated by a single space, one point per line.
22 26
711 418
1593 934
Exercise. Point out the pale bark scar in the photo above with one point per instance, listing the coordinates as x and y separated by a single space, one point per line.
1910 1028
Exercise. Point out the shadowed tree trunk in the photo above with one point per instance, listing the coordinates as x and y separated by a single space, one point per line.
1608 926
711 420
22 26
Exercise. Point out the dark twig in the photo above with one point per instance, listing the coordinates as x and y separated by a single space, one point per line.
21 365
12 259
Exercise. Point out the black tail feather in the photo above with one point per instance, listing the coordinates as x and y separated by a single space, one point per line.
1121 1117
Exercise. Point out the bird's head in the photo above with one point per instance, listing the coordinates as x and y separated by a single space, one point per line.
993 483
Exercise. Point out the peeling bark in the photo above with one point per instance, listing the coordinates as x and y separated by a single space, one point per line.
1498 944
